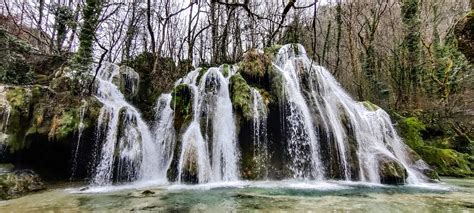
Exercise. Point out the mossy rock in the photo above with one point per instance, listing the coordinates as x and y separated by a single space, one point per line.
225 69
370 106
391 171
446 161
254 66
19 183
251 167
277 85
182 104
272 50
241 96
18 98
411 132
154 82
37 111
64 124
202 71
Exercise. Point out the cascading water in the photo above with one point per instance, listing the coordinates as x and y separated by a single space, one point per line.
80 130
213 151
164 132
260 140
127 144
302 137
5 111
341 116
326 133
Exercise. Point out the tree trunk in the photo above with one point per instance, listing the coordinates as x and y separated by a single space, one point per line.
214 32
149 27
40 20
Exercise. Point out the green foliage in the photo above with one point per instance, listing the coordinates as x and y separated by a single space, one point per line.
410 52
64 20
82 60
64 125
449 69
13 67
241 96
18 98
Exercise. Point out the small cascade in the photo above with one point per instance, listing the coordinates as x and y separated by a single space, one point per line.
260 139
5 112
212 147
164 132
80 130
127 150
128 80
303 143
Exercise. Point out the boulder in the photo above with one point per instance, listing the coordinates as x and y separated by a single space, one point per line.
18 183
391 171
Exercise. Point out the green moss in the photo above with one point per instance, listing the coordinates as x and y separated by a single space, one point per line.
446 161
68 123
18 98
202 71
370 106
272 50
255 64
276 85
181 103
410 130
64 125
241 96
225 70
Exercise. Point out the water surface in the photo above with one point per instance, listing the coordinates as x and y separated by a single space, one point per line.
453 195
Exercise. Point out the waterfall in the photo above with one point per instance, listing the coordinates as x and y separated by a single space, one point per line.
341 117
302 136
80 128
126 142
325 133
213 151
260 140
164 132
5 112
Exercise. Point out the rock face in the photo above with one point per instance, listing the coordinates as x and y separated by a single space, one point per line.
21 182
39 123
